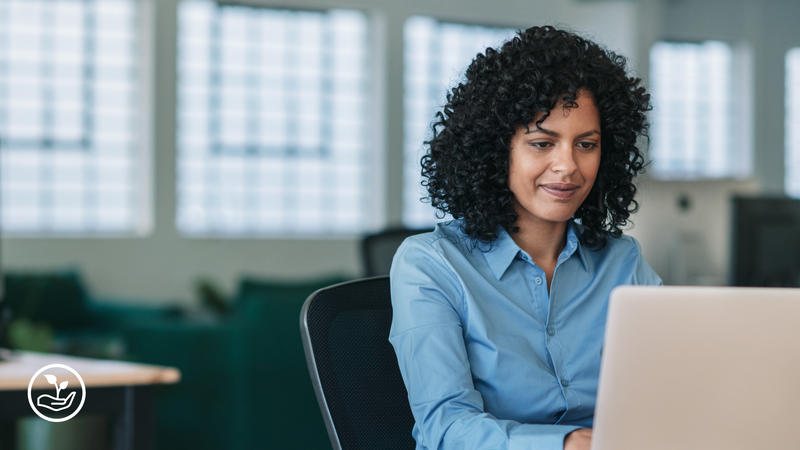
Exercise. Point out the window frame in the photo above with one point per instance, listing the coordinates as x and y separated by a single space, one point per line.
740 112
374 211
792 114
141 168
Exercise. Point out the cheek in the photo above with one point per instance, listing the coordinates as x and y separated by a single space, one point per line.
523 177
516 180
590 167
519 171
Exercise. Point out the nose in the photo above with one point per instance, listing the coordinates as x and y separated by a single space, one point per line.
563 160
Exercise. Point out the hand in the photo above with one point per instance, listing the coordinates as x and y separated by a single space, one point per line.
580 439
53 403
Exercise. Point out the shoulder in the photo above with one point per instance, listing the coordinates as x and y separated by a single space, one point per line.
441 258
623 245
624 254
446 239
423 274
615 247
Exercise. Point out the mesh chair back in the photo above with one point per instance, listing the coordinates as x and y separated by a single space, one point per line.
345 331
377 250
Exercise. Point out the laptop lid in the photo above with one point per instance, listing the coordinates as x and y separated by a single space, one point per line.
699 368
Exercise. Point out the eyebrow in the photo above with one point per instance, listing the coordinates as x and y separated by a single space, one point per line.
555 134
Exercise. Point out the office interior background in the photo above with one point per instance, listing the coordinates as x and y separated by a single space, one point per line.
166 150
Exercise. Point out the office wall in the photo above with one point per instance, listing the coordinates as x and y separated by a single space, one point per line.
162 265
685 230
768 29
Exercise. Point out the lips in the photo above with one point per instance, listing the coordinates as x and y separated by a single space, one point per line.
560 190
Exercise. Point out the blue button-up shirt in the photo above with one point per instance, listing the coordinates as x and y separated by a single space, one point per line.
490 358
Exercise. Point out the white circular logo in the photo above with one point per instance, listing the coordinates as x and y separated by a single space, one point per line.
53 407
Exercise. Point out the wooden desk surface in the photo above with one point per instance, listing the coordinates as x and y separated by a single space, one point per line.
16 373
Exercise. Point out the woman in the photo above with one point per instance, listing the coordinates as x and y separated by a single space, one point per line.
499 314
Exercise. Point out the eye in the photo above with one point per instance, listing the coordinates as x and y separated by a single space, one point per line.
541 144
587 145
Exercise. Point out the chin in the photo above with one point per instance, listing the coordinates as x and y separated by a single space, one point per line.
559 219
551 213
555 217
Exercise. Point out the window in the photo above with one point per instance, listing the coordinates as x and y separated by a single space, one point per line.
70 159
793 122
698 130
436 54
272 135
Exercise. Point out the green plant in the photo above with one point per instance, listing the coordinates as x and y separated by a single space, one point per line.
23 334
59 387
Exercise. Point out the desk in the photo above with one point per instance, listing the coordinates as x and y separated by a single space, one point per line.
122 390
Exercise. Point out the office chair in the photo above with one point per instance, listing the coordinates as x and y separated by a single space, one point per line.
377 250
345 331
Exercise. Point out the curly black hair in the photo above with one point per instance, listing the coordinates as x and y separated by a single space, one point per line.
465 168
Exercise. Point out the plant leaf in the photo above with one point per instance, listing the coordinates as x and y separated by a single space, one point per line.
64 384
51 378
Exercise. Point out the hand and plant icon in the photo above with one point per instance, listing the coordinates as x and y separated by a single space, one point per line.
55 403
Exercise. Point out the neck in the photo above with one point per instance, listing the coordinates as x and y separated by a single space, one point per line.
543 241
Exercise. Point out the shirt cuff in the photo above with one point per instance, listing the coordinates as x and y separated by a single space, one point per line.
539 436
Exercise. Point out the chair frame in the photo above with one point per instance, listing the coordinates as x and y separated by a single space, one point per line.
311 362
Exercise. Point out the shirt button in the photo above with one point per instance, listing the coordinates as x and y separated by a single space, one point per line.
551 331
538 280
564 382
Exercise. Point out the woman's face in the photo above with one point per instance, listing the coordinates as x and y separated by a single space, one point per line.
552 168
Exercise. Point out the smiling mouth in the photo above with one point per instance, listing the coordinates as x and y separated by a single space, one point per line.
560 192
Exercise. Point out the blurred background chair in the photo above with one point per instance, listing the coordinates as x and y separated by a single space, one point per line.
377 249
345 332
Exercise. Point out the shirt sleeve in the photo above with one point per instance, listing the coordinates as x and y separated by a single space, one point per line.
427 336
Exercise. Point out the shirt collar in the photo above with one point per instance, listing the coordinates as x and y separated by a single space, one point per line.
502 253
504 250
574 244
572 236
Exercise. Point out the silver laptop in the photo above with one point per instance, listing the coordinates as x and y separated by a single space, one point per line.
700 368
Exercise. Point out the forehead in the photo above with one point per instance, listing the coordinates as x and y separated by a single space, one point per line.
583 112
